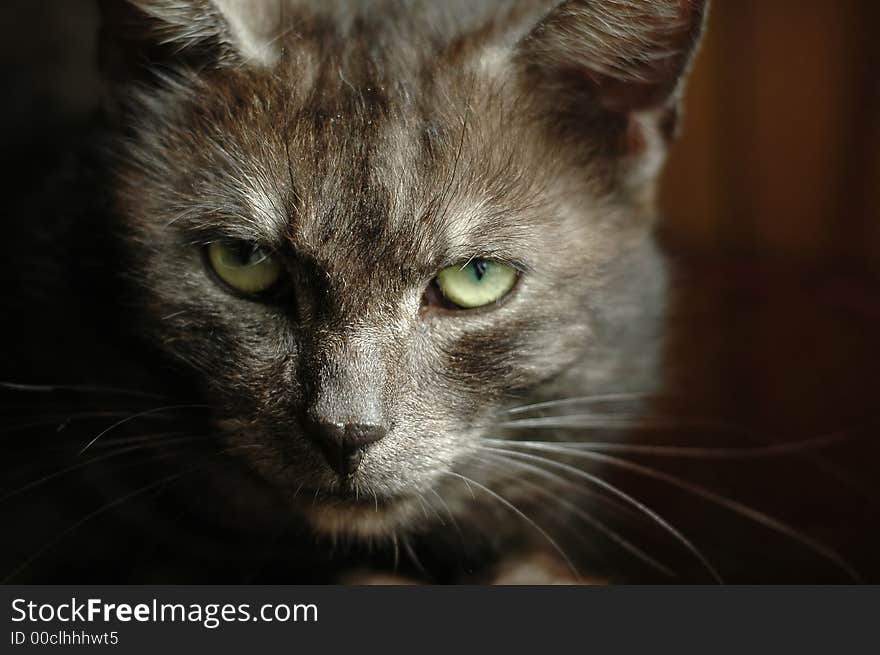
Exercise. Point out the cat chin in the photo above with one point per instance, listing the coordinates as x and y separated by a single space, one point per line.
362 520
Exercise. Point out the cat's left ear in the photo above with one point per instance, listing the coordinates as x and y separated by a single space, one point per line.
595 62
140 34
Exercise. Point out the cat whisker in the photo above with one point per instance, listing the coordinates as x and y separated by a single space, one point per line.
396 551
105 444
168 317
578 400
61 421
132 417
411 553
612 502
696 452
419 498
612 421
426 505
513 508
54 388
579 512
82 465
66 451
734 506
447 510
607 486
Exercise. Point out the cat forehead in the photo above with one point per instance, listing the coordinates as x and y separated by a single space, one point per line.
349 222
352 175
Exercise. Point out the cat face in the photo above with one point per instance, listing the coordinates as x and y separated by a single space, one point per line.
370 233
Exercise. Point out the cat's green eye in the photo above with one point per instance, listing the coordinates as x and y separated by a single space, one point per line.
477 283
244 266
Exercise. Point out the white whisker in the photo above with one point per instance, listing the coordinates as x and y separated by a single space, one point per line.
736 507
578 400
520 514
585 516
113 454
617 422
672 530
697 452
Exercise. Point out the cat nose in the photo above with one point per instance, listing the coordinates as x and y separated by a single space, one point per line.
343 444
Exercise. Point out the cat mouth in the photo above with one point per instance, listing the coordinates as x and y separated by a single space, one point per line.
350 495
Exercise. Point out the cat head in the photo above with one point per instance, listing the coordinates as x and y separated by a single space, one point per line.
371 228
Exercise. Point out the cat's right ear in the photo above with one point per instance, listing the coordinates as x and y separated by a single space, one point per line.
142 36
600 63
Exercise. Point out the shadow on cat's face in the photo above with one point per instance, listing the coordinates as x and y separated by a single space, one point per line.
371 241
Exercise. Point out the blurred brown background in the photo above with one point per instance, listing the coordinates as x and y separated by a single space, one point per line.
774 191
780 149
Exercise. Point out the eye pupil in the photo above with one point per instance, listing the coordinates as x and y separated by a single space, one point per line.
479 268
247 254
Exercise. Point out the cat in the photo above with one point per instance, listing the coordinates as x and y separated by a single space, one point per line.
329 269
